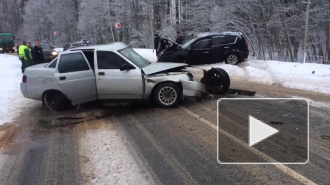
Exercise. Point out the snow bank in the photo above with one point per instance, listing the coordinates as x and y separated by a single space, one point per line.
148 54
310 76
10 78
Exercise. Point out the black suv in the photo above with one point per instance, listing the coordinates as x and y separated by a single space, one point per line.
207 48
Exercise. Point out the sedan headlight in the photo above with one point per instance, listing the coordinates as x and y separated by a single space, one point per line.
54 53
0 49
14 48
191 77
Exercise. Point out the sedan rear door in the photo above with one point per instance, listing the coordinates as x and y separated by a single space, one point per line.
76 78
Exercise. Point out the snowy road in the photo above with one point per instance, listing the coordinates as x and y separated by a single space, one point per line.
120 144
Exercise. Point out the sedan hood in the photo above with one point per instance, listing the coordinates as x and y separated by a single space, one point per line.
161 67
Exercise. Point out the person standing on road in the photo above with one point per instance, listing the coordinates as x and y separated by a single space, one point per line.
28 55
163 44
37 53
157 43
24 56
179 38
17 47
21 54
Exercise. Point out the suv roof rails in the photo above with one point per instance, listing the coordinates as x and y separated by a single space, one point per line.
232 33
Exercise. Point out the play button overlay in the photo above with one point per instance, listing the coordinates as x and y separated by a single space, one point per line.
259 131
263 131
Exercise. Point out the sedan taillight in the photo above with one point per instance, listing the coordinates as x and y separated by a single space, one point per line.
246 44
24 79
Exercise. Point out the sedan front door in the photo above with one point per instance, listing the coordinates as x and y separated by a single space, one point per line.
75 78
114 83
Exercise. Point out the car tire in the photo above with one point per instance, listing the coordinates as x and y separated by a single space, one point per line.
55 100
216 81
232 59
167 95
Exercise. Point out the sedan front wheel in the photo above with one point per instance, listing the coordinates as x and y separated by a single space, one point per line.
167 95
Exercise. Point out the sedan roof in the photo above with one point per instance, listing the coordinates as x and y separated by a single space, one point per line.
108 47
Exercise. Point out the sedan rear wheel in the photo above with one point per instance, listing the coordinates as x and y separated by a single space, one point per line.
167 95
55 100
232 59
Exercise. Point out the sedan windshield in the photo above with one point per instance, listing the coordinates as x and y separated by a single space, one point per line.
131 55
6 38
188 42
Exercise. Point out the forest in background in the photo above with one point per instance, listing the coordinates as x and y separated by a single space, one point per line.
274 29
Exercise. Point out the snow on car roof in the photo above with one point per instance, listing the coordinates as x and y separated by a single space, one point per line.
220 33
108 47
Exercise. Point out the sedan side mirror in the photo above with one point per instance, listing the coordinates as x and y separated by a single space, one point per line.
126 67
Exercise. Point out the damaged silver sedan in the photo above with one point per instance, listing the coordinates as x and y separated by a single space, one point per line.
115 72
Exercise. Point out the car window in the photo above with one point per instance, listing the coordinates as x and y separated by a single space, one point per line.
53 64
231 38
109 60
45 45
89 54
219 41
72 62
203 44
7 38
187 43
134 57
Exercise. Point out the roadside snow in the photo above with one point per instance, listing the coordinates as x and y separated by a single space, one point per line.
314 103
310 76
10 78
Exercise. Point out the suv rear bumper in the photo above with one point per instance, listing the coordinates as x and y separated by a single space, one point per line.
244 54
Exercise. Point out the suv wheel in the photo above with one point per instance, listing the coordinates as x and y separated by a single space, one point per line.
167 95
55 100
232 59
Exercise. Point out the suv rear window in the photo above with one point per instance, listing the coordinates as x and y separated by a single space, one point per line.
231 38
219 41
72 62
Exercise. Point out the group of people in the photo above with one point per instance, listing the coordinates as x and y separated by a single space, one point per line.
161 43
30 56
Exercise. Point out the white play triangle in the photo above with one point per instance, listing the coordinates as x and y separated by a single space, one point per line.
259 131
